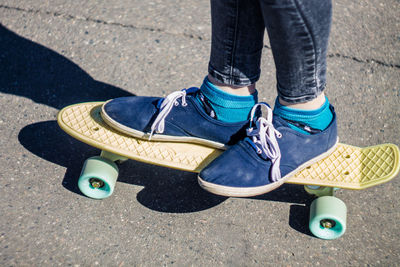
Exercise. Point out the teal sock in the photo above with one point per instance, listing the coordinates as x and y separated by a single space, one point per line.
228 107
316 119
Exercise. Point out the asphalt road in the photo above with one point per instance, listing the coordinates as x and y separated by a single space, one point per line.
56 53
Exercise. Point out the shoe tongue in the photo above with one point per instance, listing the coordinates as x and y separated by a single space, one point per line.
279 122
191 90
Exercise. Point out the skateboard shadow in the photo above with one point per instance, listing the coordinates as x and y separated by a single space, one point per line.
300 208
34 71
31 70
172 191
299 218
164 190
47 141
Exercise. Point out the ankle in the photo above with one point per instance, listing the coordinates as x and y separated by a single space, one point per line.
233 89
227 107
306 120
309 105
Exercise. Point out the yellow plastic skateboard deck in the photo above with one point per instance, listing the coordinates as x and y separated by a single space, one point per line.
348 167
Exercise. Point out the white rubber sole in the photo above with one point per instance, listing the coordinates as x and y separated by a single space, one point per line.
229 191
157 137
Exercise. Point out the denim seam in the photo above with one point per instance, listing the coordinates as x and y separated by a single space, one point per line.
318 89
307 27
234 40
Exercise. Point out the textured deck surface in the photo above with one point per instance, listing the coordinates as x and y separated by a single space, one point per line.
83 122
348 167
353 167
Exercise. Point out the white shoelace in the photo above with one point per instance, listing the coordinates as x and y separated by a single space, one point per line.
166 106
264 136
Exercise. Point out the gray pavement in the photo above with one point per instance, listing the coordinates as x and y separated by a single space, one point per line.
55 53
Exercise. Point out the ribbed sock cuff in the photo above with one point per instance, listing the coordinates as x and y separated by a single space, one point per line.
319 118
228 107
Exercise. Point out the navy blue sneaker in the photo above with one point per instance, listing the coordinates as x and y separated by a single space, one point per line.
270 154
179 117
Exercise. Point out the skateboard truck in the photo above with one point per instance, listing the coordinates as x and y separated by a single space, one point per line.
326 223
320 191
113 157
96 183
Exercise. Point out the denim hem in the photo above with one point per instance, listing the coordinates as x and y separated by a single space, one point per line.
232 80
315 92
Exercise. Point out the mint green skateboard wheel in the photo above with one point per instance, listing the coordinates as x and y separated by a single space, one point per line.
328 217
98 177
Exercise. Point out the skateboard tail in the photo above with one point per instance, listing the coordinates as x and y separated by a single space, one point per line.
351 167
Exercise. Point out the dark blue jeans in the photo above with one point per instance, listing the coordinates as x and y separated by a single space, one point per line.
298 31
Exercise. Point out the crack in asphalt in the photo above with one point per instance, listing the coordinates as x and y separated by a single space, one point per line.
104 22
368 60
188 35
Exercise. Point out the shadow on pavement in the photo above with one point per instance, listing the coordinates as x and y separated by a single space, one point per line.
165 190
33 71
299 218
47 141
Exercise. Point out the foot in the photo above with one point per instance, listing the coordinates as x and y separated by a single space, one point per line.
270 154
182 116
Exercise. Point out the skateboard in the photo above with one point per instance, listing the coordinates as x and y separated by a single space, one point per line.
348 167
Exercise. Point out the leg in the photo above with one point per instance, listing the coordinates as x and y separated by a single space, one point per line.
299 33
279 146
217 117
236 47
234 67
